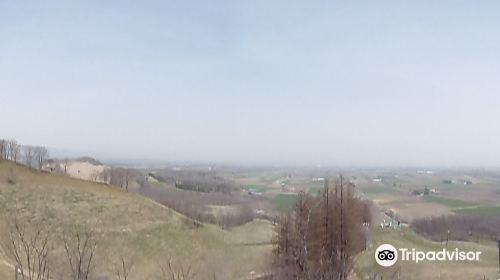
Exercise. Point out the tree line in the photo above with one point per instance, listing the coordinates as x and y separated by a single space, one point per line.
459 227
38 156
196 180
32 156
196 205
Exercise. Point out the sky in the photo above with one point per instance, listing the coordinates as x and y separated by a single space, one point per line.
360 83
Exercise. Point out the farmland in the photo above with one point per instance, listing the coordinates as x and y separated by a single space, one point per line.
284 202
131 224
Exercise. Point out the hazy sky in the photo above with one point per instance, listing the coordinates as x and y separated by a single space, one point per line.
255 82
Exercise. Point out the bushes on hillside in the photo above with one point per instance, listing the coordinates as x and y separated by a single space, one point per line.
197 180
196 205
460 227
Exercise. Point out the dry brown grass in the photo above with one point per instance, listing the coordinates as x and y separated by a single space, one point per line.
128 224
411 208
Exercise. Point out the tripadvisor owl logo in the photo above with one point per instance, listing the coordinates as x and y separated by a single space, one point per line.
386 255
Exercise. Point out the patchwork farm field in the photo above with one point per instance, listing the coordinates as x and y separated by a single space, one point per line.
448 202
284 202
448 193
256 188
480 211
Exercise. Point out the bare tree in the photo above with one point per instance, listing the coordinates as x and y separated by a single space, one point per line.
29 155
95 176
8 150
3 149
80 253
66 162
106 175
127 176
41 155
121 176
17 151
172 271
31 250
116 176
13 150
321 237
122 270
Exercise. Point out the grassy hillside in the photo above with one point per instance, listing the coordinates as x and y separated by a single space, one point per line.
6 271
126 224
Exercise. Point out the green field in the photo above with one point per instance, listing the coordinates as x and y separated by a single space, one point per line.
256 188
452 203
315 188
377 189
284 202
480 211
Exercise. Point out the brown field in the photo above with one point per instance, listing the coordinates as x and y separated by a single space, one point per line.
411 207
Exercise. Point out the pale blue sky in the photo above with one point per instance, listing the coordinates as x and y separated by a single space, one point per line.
255 82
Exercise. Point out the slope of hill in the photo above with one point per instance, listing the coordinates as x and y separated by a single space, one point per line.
144 232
